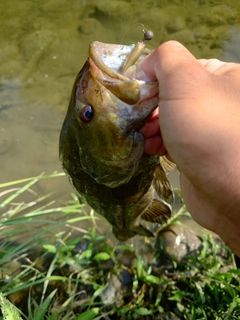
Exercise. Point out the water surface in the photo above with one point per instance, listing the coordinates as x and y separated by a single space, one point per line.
43 45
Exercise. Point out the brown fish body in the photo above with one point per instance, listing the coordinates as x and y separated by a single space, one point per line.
101 148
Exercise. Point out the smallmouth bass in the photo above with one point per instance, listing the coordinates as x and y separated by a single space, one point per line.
100 146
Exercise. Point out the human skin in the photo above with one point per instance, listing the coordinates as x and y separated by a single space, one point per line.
197 126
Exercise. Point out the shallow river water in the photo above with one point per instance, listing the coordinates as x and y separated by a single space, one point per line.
43 45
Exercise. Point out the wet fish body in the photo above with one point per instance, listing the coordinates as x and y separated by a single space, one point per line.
100 146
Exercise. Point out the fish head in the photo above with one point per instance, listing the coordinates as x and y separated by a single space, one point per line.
111 100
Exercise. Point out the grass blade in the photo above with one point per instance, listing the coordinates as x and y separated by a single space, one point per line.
9 311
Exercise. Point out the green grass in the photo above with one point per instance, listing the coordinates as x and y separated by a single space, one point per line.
63 271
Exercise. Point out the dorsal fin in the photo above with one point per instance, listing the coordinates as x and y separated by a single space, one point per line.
158 212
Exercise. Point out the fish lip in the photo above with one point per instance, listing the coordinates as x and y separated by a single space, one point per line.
139 123
143 111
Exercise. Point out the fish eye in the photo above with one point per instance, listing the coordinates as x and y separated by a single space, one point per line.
86 113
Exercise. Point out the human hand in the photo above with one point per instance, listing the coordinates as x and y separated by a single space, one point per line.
199 130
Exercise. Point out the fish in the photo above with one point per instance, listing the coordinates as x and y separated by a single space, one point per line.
101 148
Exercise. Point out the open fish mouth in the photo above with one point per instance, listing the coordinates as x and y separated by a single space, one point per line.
121 71
110 58
118 69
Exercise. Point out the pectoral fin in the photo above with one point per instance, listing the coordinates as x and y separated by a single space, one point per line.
159 212
162 185
167 165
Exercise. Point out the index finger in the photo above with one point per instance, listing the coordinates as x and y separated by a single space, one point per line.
168 57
